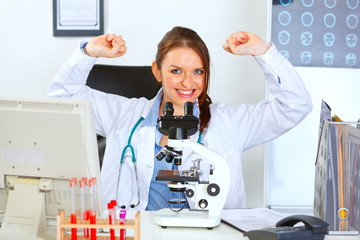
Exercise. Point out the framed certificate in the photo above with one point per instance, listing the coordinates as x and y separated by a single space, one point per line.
78 17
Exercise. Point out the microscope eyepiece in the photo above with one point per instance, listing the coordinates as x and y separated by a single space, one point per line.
188 108
168 109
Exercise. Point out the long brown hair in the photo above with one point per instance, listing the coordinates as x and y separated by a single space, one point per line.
185 37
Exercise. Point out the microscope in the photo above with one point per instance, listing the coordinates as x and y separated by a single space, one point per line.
208 197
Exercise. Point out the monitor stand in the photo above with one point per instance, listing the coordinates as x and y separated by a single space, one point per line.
25 211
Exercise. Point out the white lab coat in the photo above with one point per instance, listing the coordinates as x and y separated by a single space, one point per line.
232 128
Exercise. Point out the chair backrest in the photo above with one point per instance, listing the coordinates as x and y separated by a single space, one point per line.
127 81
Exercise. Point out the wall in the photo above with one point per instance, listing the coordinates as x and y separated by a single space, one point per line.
31 55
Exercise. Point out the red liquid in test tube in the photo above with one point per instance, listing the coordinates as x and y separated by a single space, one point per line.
86 217
73 230
93 230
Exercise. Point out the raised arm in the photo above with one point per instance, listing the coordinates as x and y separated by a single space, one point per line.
70 79
290 102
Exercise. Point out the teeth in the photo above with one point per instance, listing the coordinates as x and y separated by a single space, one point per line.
185 92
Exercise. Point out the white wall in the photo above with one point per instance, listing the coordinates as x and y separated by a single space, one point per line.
291 168
31 55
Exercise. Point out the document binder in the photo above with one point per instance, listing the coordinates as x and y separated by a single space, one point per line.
337 176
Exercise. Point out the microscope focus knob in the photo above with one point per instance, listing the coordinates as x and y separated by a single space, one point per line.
189 193
203 203
213 189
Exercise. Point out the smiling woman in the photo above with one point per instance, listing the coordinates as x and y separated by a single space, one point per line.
182 65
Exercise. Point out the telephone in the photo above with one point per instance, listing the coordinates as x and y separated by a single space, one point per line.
314 229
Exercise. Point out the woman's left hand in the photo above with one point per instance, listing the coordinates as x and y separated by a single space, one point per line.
244 43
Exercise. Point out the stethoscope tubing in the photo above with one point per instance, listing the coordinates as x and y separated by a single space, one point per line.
133 158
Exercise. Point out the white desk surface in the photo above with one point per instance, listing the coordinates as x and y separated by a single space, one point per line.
151 231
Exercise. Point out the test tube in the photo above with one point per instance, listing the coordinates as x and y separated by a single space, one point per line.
111 220
86 212
122 222
95 191
95 196
113 202
73 207
85 232
92 209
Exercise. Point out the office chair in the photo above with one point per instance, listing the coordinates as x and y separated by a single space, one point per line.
127 81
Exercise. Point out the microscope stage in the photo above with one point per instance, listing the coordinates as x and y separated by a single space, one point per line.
174 176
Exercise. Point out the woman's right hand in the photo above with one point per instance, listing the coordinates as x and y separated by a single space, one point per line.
108 45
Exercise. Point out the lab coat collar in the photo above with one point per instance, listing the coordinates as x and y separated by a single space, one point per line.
152 116
147 108
149 105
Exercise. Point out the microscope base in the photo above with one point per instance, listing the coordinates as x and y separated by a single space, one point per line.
186 218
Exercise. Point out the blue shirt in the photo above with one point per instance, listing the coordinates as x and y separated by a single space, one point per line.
159 193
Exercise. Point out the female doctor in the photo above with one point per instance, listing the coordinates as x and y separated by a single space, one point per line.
182 65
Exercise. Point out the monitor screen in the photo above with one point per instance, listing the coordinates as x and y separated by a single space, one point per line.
43 144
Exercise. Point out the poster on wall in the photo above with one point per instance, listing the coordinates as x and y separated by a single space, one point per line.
317 33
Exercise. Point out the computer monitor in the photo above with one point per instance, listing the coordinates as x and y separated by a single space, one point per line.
43 143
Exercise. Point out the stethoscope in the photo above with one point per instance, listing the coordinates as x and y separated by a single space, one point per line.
133 158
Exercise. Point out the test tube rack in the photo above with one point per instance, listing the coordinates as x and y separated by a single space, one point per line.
63 223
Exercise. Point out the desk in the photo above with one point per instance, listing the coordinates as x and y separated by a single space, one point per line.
151 231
